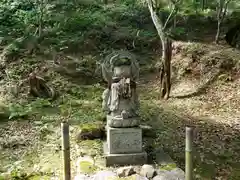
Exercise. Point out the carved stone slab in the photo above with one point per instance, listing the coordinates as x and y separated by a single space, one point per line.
124 140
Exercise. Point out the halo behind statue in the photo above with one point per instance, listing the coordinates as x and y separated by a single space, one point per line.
119 58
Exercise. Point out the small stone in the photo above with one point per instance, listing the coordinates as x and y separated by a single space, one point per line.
103 175
148 171
125 171
137 169
175 174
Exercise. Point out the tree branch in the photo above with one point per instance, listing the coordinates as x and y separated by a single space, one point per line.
173 12
225 9
157 22
169 17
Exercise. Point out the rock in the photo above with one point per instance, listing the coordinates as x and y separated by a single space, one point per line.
82 177
137 169
91 131
179 173
103 175
137 177
148 171
125 171
175 174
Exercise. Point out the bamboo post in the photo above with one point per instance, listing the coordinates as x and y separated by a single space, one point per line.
188 154
66 151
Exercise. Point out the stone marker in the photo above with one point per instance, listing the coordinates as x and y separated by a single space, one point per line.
120 102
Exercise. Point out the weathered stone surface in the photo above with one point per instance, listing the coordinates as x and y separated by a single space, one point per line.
124 159
137 169
82 177
148 171
137 177
125 171
120 101
175 174
104 175
120 122
124 140
179 173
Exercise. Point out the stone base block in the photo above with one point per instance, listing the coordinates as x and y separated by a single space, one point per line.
124 159
122 123
124 140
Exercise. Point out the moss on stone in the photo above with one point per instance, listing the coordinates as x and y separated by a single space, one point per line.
168 167
87 167
91 131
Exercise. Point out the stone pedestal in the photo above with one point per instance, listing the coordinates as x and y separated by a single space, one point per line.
124 147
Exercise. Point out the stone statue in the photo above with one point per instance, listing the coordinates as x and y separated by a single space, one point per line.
120 100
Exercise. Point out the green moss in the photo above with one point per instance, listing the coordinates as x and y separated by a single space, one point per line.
91 147
39 177
87 167
168 167
91 126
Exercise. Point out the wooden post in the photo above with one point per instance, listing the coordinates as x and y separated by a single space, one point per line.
66 151
188 154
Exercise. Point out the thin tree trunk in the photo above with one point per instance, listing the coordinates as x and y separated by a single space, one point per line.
222 10
203 5
165 76
40 25
165 71
218 32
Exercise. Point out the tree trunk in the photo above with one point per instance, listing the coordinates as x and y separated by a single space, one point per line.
40 25
165 70
203 5
218 32
165 76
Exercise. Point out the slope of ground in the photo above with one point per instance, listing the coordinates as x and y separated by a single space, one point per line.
206 97
32 145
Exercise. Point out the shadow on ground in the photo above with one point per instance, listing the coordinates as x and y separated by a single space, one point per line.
216 146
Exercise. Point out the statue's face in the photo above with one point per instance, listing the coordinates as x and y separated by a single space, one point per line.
122 71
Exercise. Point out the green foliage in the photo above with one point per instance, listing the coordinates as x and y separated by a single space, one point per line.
18 110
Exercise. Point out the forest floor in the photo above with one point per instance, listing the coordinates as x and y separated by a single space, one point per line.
202 96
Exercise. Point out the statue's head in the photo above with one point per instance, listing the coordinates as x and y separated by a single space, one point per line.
122 68
120 64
